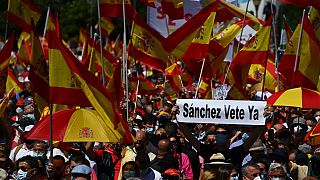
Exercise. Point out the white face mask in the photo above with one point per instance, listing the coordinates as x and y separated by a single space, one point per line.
309 128
277 178
297 129
317 118
257 178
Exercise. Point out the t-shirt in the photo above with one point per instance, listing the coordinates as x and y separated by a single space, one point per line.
162 164
151 174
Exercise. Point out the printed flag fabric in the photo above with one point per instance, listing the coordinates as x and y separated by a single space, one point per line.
5 55
315 20
173 8
12 82
255 51
63 86
173 75
145 86
304 3
96 93
199 46
146 45
113 8
20 11
95 63
177 42
115 86
106 26
308 67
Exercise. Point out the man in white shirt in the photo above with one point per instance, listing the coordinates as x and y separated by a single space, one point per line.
143 161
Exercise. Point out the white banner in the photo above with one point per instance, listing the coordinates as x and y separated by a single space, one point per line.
221 111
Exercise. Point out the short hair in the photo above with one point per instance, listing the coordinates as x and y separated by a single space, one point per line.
40 142
244 169
77 158
208 175
31 161
59 157
171 129
135 166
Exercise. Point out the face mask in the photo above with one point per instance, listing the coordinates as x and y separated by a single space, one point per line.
234 178
128 174
277 178
150 130
37 154
257 178
22 174
31 116
317 118
245 136
309 128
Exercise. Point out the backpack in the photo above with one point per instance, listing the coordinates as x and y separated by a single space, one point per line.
105 166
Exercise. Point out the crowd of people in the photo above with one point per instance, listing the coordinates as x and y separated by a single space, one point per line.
163 148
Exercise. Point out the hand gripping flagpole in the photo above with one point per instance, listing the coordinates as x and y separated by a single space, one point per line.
298 48
101 49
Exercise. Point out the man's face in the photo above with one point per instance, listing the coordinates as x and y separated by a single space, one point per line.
252 173
73 164
210 139
59 166
39 148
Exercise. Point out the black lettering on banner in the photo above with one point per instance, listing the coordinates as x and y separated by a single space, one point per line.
256 114
202 112
185 110
232 113
196 112
213 113
207 111
218 113
241 114
191 113
250 111
226 111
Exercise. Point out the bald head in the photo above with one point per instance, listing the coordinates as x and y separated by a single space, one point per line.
164 146
141 136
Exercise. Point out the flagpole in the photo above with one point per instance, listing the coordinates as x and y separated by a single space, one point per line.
264 79
212 94
275 45
125 60
241 33
6 32
137 91
51 133
45 27
298 48
199 81
101 48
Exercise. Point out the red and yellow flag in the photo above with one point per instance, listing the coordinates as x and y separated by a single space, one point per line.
205 89
147 45
5 55
255 51
315 21
113 8
198 48
173 75
193 30
95 64
227 11
106 26
63 85
304 3
12 82
237 92
115 86
173 8
145 86
308 68
20 11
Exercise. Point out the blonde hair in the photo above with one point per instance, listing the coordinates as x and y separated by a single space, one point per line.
208 175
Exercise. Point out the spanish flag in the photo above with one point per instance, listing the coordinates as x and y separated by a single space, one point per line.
5 55
145 86
237 92
173 8
39 73
106 26
255 51
227 11
205 89
12 82
95 64
256 75
63 85
115 86
170 92
99 97
308 67
304 3
315 21
20 11
173 75
113 8
218 49
146 45
197 29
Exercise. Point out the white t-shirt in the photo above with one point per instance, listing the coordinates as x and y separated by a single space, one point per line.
24 151
152 174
